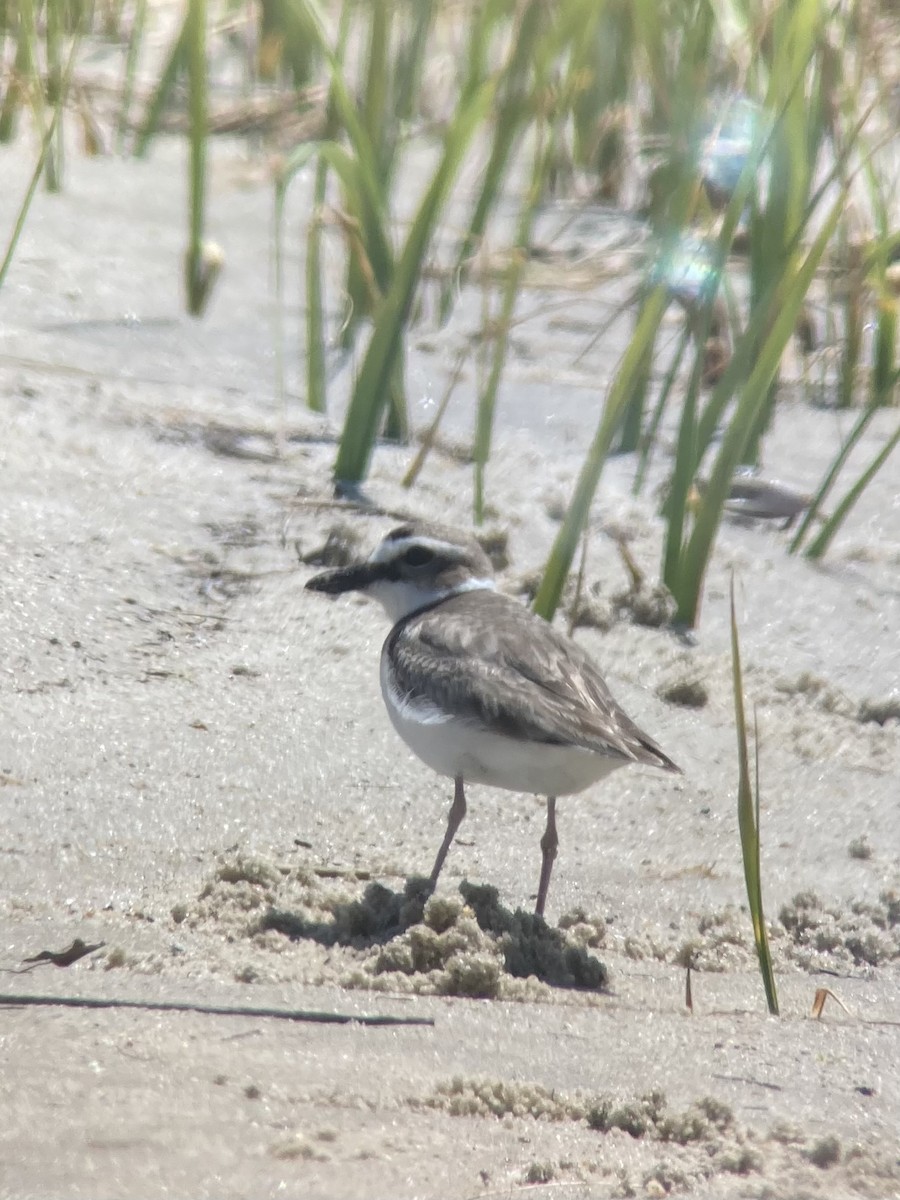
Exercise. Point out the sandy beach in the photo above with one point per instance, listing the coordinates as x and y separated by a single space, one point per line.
196 770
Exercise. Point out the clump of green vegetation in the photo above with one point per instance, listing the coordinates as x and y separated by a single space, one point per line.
751 143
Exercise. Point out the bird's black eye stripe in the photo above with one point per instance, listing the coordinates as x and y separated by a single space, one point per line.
417 556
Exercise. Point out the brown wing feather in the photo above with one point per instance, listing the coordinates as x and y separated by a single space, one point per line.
489 658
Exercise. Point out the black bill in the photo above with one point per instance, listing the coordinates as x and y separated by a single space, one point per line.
346 579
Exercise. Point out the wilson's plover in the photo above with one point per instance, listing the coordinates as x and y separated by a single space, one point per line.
482 689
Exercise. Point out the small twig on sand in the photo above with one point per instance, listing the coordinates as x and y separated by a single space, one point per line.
214 1010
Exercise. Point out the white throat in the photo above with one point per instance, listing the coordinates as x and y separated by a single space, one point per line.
399 598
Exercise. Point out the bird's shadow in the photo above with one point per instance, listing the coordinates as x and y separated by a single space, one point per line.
529 946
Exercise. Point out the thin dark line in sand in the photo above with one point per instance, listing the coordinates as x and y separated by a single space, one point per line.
214 1010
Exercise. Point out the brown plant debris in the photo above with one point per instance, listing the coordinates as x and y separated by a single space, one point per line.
60 958
823 994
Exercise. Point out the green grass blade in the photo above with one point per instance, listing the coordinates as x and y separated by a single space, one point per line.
834 469
375 141
332 155
135 39
822 541
430 435
196 273
648 438
687 457
46 145
55 93
316 387
16 79
292 28
363 201
697 431
162 92
366 196
786 304
345 109
565 546
315 310
603 45
884 353
377 85
396 425
372 389
412 60
487 401
513 111
854 319
484 421
748 823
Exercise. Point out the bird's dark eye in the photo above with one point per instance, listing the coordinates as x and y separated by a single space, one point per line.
417 556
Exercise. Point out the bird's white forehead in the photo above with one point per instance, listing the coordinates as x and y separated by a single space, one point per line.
396 547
